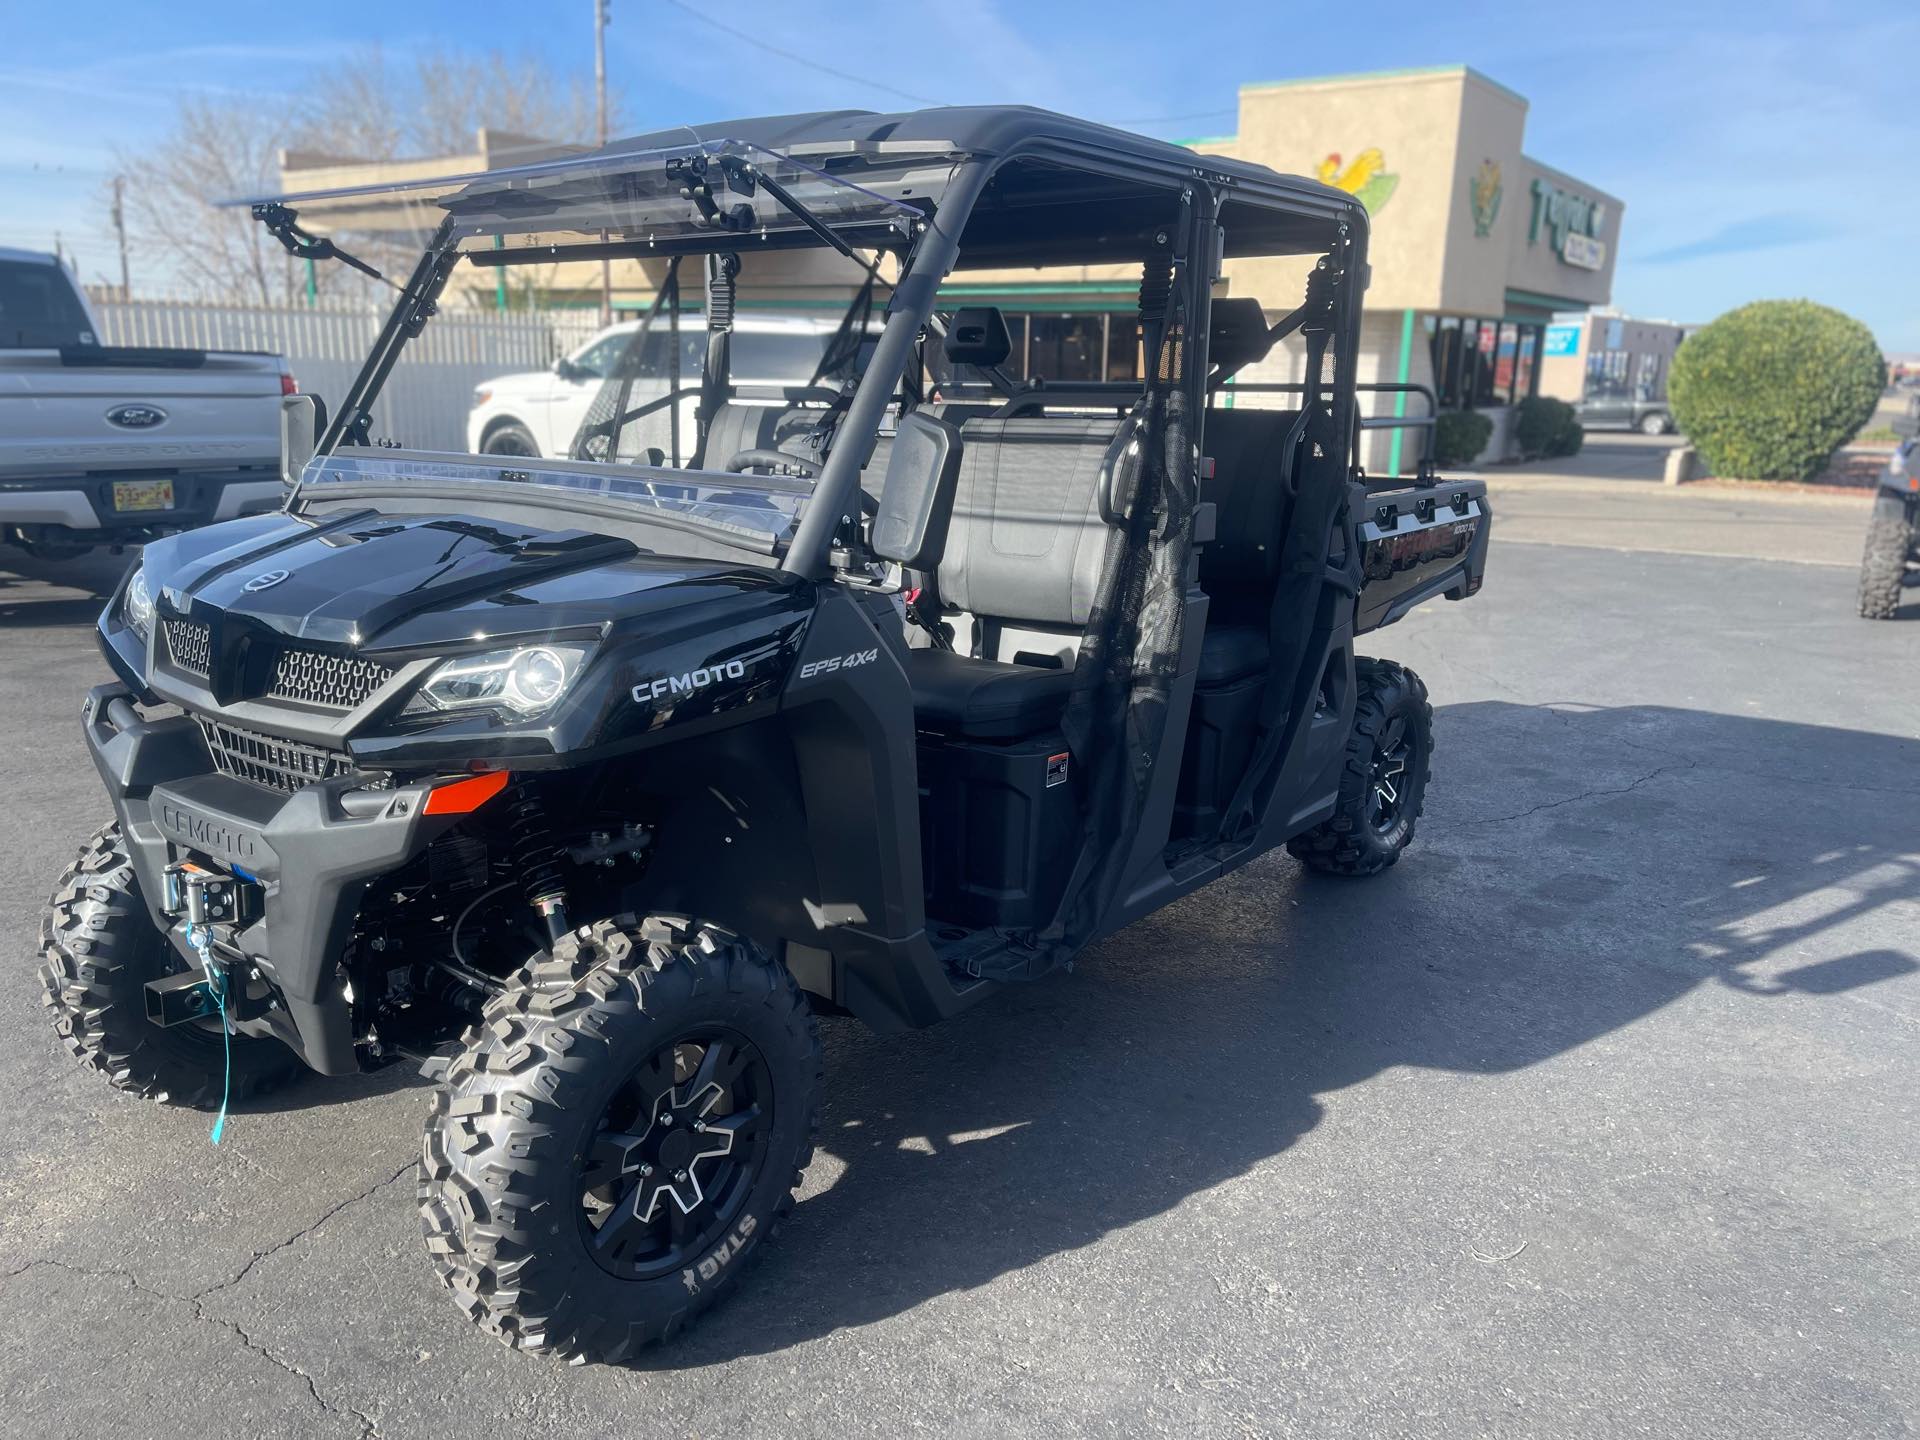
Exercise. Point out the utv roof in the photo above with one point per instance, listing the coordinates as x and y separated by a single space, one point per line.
1065 190
991 131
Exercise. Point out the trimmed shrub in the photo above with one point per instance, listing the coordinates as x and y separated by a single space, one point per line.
1547 427
1771 390
1458 436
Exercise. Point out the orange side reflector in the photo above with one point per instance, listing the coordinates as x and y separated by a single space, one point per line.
463 797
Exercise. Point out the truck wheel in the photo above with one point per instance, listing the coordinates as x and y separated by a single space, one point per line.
1384 784
1655 424
1890 539
99 947
512 438
621 1135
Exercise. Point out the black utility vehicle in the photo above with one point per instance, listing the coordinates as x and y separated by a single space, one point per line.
587 783
1891 562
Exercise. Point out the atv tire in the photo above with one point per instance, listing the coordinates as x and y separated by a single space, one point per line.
99 947
535 1196
1384 784
1883 568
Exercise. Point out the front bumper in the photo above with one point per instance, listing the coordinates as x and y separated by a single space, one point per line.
314 853
84 505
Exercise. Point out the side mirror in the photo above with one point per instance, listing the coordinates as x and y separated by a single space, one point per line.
565 369
302 420
916 501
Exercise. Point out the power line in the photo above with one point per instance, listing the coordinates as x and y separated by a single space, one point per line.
809 61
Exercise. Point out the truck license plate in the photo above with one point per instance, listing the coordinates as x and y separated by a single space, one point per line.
143 494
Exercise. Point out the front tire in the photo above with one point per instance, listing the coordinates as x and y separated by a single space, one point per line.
99 948
1384 784
622 1134
1883 568
1655 424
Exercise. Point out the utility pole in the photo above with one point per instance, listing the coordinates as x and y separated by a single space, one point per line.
600 18
120 231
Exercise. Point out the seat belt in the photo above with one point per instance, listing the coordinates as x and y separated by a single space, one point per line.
716 387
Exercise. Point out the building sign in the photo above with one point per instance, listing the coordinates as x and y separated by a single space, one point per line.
1484 190
1584 251
1573 225
1562 340
1366 179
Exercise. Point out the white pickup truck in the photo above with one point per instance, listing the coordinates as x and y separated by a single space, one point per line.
105 445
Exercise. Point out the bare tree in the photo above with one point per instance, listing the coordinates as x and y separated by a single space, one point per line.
216 150
369 108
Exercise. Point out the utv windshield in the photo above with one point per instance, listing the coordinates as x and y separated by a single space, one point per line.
645 200
761 280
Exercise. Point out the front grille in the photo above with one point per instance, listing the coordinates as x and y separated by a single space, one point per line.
188 644
285 765
339 682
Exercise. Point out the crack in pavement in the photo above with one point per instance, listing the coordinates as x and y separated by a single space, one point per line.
196 1300
259 1255
1594 793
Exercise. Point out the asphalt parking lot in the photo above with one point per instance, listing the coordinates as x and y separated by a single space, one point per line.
1595 1116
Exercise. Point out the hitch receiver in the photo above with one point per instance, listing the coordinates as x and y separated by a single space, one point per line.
179 999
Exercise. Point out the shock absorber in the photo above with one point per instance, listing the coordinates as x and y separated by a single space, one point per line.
537 858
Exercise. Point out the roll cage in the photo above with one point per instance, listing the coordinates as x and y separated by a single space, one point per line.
929 191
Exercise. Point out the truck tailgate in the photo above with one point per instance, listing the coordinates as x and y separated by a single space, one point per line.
1419 541
124 411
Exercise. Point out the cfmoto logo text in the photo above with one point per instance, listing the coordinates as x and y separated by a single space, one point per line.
689 682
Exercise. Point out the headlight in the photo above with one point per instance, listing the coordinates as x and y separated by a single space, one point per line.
137 607
526 681
482 396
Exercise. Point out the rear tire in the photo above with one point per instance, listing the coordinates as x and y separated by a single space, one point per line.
99 947
573 1073
1384 785
512 438
1883 568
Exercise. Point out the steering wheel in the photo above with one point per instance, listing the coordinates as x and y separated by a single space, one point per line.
776 460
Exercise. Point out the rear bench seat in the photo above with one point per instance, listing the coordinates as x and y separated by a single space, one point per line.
1026 547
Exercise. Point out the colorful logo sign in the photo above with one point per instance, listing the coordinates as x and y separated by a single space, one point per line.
1485 190
1573 224
1365 179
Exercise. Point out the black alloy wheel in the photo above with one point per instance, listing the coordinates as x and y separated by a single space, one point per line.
675 1154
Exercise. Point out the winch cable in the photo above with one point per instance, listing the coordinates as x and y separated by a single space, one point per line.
203 946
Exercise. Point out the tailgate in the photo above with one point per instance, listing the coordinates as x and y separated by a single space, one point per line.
97 409
1419 541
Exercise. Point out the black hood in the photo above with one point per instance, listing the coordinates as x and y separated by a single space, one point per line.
373 582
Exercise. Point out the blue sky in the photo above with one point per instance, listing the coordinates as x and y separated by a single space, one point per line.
1762 149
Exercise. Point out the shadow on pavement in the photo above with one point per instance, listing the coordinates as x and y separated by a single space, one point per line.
1191 1048
36 592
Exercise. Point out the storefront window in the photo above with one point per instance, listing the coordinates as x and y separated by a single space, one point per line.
1123 347
1065 347
1447 361
1506 351
1485 341
1483 362
1523 381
